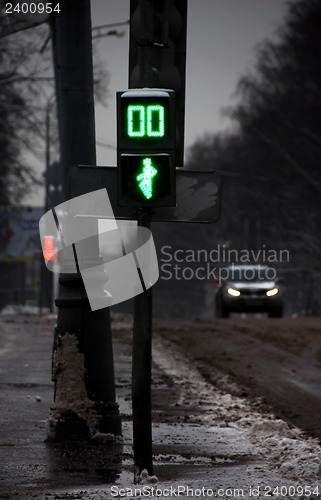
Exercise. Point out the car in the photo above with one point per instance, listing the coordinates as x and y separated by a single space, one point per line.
250 288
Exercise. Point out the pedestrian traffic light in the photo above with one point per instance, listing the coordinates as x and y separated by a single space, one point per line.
146 148
163 44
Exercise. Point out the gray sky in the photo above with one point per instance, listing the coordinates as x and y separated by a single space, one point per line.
221 38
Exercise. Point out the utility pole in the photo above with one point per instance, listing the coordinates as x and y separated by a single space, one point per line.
46 277
156 60
84 401
143 303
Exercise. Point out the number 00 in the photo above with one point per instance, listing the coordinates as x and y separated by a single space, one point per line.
145 121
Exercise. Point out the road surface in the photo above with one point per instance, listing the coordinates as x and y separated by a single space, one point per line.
276 360
203 436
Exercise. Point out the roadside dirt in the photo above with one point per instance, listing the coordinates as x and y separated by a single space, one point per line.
275 360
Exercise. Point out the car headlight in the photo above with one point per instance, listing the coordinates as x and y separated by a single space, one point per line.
233 292
272 292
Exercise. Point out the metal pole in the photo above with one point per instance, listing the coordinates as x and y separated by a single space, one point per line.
141 376
143 303
47 276
83 368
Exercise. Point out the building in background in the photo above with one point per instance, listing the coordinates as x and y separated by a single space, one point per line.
20 255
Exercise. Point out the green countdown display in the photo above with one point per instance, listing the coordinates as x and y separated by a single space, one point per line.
145 121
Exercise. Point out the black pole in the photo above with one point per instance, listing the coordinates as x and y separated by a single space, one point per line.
47 276
141 376
83 369
143 303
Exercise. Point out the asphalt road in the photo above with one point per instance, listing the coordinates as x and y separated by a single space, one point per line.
276 360
203 436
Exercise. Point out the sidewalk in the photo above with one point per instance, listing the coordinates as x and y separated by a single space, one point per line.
207 443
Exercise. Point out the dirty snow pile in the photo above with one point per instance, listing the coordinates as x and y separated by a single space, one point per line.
288 451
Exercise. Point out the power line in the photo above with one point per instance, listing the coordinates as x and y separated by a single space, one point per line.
106 145
98 31
116 33
112 25
45 20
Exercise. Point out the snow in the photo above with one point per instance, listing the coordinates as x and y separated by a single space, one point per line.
145 478
237 426
145 92
13 309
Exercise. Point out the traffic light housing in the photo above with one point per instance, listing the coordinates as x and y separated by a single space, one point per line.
165 48
146 148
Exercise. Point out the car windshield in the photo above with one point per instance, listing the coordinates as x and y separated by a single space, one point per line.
251 274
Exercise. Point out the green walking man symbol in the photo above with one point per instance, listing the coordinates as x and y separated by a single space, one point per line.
145 178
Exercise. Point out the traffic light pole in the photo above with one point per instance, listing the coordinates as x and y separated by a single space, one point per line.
141 374
84 402
143 303
47 278
149 148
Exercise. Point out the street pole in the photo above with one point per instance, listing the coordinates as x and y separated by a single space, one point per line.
141 375
84 402
143 303
46 277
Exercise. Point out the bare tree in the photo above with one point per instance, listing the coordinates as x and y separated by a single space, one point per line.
26 90
270 161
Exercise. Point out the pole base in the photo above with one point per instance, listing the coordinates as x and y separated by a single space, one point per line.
99 422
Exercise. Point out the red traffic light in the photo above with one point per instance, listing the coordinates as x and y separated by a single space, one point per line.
49 251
